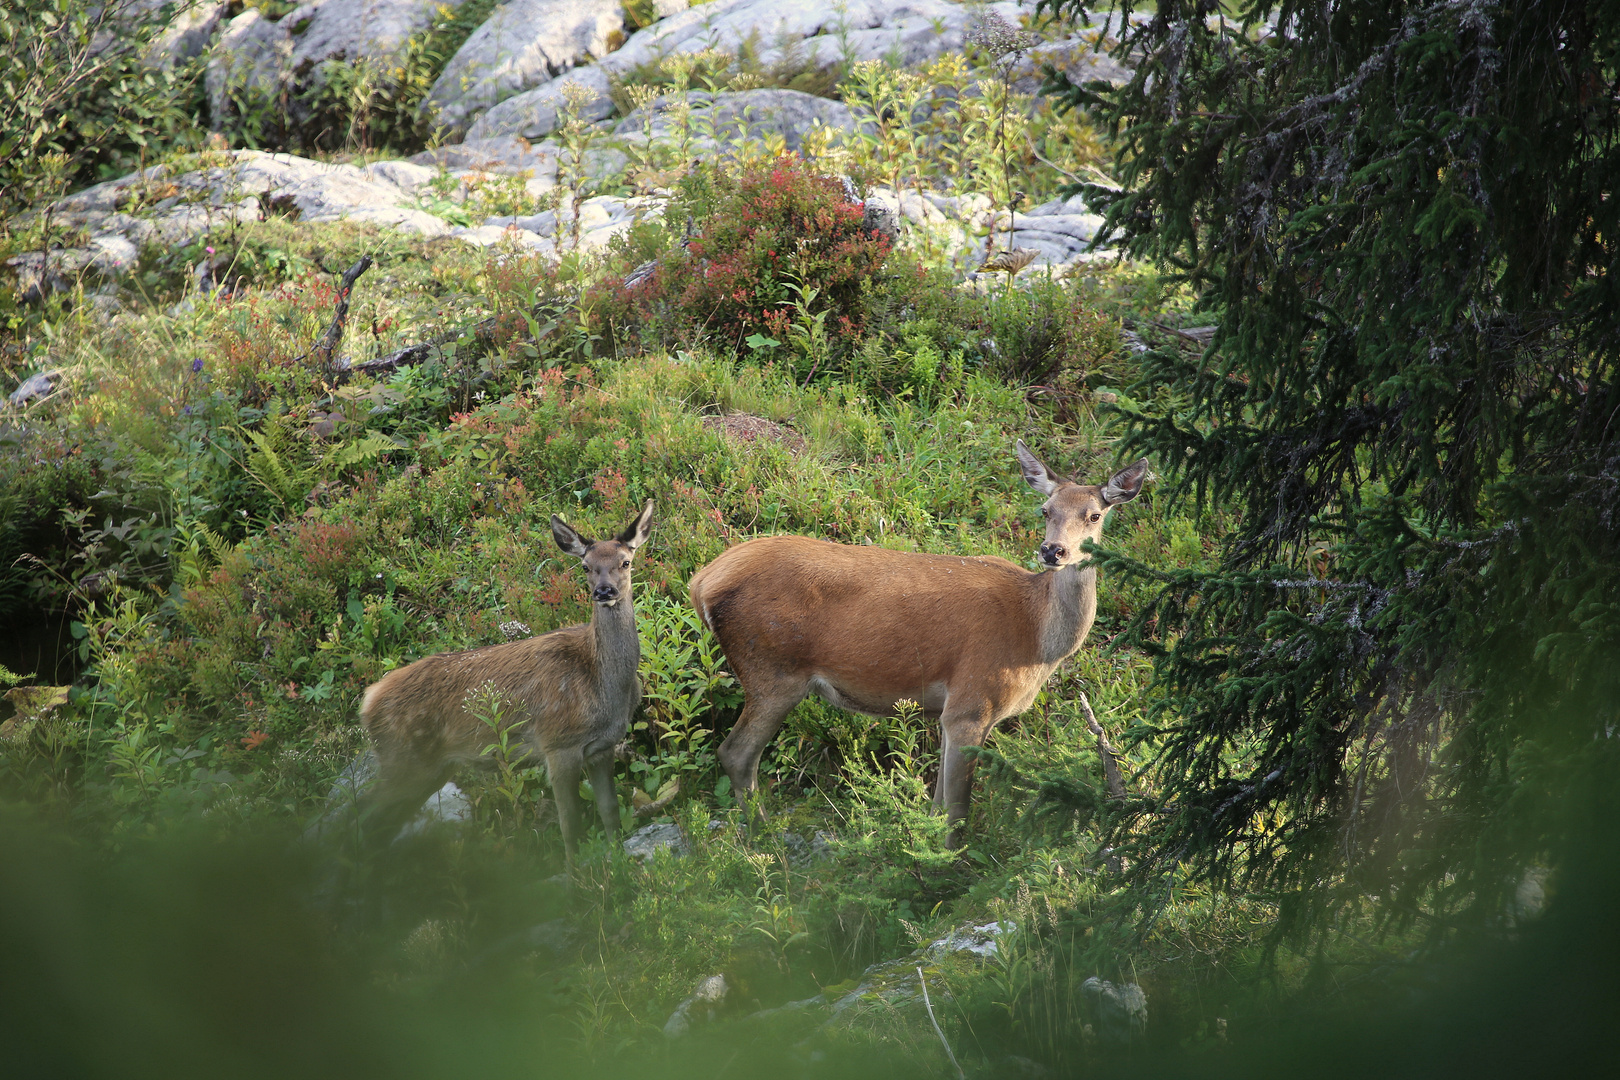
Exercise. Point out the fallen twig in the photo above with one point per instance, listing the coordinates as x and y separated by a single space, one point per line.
1114 782
929 1005
328 343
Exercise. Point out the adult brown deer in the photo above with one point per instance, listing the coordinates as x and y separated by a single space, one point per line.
972 640
567 696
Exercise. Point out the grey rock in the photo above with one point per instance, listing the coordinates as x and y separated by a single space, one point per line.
701 1008
447 806
359 772
1079 58
749 113
406 176
189 28
914 31
536 113
557 937
649 840
356 29
241 189
802 852
1081 227
35 386
894 984
113 255
491 235
249 57
880 218
1530 896
338 818
263 55
40 274
507 155
523 44
983 941
1120 1013
1052 249
820 32
1074 204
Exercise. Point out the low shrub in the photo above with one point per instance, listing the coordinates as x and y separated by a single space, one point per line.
775 249
78 100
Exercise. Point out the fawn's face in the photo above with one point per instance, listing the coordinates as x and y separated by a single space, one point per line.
607 562
1075 513
607 571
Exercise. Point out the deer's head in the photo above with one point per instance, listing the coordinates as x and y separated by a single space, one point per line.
607 562
1075 512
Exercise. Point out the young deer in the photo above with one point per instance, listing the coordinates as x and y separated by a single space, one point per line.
972 640
569 696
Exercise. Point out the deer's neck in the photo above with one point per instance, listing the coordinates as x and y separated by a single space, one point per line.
1069 610
618 646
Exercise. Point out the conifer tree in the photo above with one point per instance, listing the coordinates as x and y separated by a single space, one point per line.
1403 683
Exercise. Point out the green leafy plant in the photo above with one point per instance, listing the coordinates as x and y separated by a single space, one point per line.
685 690
77 84
776 232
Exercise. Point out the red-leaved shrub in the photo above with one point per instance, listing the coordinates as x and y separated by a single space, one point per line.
775 225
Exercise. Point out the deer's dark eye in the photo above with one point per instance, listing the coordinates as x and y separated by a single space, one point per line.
625 565
1046 512
1095 518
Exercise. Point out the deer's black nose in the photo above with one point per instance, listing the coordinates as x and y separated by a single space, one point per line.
604 593
1052 554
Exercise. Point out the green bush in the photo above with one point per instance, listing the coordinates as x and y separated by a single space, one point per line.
78 100
777 254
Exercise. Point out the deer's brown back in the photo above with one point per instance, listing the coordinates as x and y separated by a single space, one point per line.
547 683
871 618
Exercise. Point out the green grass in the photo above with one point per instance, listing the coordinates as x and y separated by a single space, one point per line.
244 547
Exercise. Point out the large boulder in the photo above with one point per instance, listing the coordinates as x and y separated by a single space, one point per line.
744 113
261 56
536 113
1119 1013
1083 59
823 32
523 44
187 27
818 33
167 207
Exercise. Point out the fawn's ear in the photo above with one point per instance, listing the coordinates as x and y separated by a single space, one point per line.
567 539
635 534
1124 485
1036 472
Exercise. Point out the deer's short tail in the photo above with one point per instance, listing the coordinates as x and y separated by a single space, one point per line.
699 597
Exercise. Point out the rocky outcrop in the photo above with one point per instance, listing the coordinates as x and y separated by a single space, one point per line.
1119 1013
740 114
541 111
703 1007
189 27
649 840
817 33
260 56
163 205
1083 59
523 44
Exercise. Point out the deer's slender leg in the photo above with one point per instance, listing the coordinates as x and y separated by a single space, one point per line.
404 781
599 767
563 767
960 727
765 706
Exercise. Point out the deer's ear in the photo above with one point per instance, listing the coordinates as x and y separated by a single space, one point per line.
635 534
1036 473
1124 485
567 539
